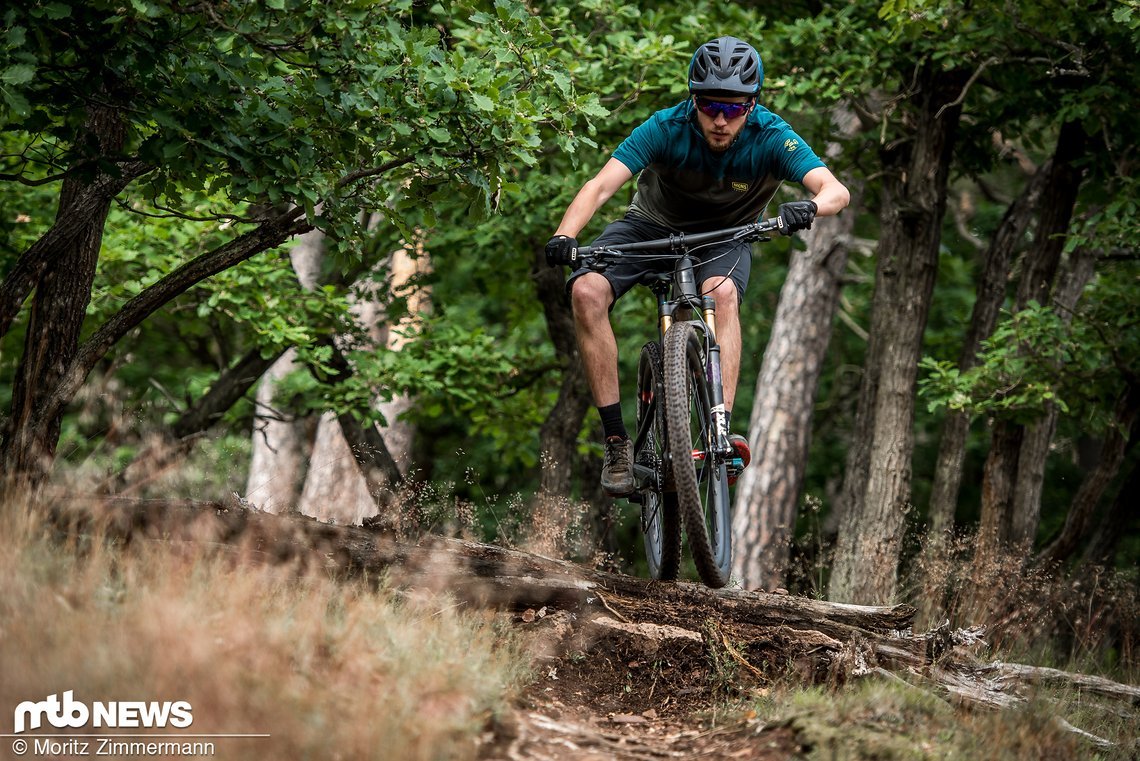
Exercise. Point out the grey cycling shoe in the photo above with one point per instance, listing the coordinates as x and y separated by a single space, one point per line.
617 468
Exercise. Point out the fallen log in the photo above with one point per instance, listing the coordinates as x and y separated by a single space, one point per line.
762 632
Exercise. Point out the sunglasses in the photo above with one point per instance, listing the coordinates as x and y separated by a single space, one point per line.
714 108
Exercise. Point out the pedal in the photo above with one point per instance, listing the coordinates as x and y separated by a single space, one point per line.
740 460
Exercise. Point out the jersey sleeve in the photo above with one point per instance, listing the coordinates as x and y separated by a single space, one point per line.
794 157
644 146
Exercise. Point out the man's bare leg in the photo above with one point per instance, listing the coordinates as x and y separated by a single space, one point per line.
727 333
591 297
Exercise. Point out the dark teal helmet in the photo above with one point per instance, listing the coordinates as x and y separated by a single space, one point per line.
726 66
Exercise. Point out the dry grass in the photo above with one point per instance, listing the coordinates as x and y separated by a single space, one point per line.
890 720
1085 619
328 669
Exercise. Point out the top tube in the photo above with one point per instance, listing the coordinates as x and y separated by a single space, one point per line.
682 241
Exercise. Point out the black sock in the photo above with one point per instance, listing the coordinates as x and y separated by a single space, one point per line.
728 420
612 424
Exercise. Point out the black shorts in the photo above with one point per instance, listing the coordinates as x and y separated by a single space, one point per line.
731 259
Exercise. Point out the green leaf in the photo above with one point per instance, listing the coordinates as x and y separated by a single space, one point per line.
56 11
18 74
483 102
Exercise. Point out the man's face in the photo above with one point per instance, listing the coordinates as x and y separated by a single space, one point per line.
717 120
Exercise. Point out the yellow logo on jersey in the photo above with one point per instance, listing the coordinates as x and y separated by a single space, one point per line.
791 144
740 187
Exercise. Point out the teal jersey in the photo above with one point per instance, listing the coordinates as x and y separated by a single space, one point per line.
683 185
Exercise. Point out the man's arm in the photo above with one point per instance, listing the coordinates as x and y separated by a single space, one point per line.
830 195
592 196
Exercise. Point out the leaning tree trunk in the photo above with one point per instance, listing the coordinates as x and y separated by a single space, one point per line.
999 477
779 431
877 483
987 306
63 281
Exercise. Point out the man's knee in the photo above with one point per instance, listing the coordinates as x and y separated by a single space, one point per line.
722 289
590 296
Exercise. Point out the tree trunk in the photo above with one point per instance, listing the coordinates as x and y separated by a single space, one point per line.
779 431
768 492
79 204
53 373
1000 475
335 490
1084 504
987 306
1034 454
278 447
558 436
1101 549
63 279
562 467
913 205
279 442
998 480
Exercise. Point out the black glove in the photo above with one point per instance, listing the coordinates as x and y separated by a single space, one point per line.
797 215
559 249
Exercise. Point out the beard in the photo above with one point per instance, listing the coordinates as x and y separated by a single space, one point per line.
719 142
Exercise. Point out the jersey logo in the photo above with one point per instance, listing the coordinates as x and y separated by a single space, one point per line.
791 144
740 187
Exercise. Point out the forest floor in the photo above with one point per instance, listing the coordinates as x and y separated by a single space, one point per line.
604 687
613 699
621 667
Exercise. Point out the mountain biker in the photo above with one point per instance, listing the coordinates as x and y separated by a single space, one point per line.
710 162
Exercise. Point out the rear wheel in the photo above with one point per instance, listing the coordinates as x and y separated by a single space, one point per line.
660 521
698 472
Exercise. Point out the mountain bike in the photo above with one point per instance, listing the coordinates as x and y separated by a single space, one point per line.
682 454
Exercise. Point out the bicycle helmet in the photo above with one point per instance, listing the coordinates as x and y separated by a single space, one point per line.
726 66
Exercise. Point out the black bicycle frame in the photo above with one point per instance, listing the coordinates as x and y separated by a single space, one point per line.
686 296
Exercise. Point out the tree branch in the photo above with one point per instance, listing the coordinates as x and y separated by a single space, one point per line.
267 236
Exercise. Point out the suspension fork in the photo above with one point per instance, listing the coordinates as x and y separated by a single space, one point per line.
666 310
720 442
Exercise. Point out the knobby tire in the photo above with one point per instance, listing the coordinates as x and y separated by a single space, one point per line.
701 481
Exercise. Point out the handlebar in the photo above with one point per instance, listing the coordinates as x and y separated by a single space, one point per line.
682 241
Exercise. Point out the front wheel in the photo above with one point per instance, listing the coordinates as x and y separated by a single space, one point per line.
698 470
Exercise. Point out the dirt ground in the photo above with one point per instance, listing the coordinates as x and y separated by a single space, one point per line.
611 689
